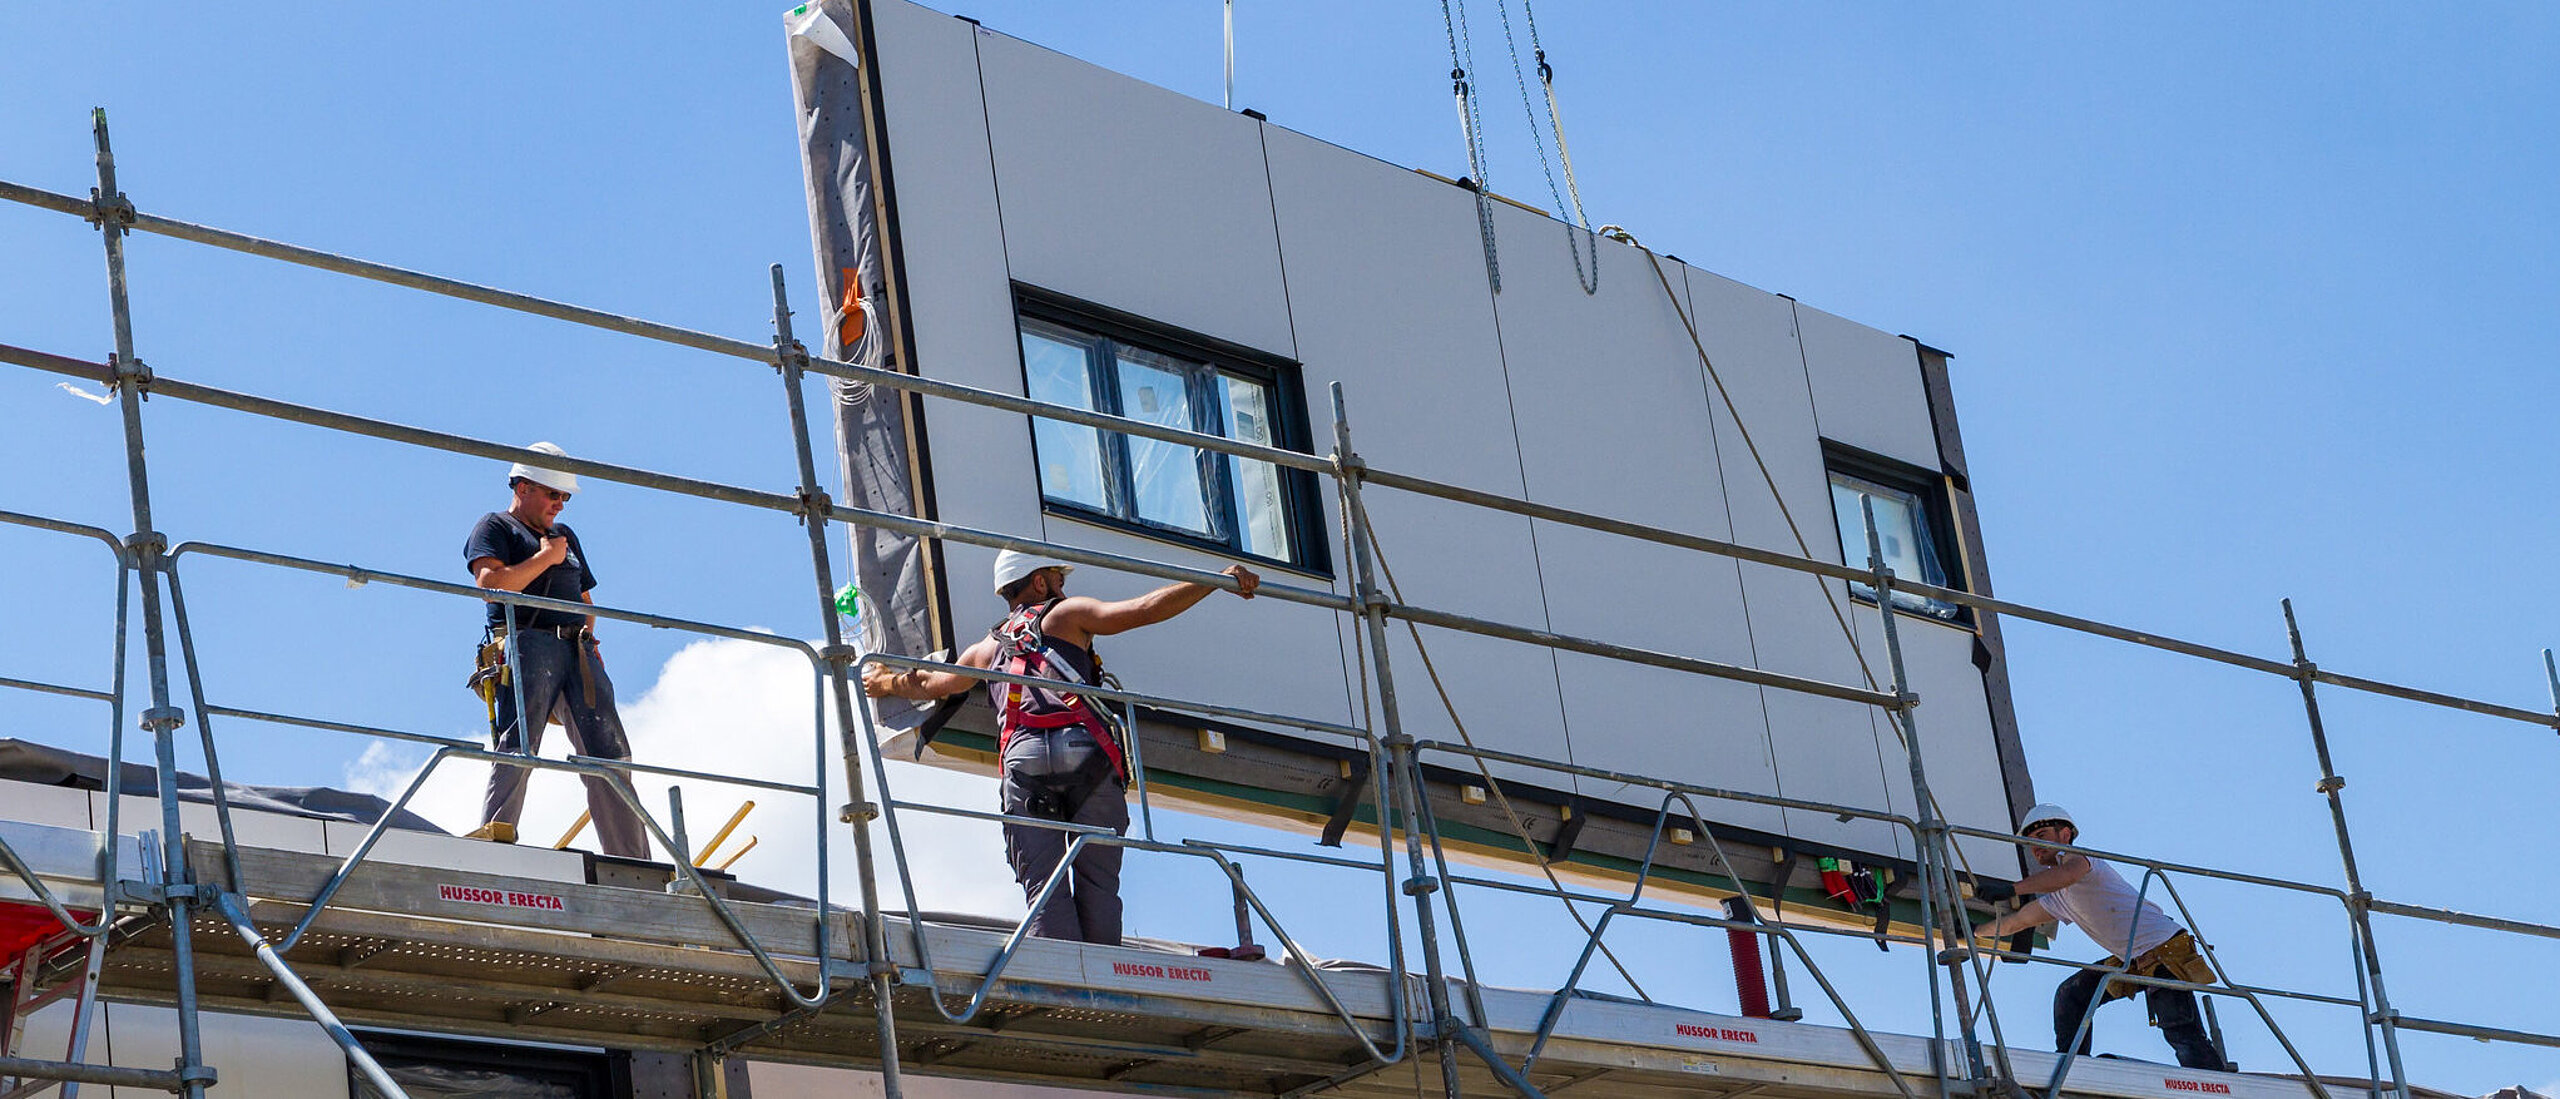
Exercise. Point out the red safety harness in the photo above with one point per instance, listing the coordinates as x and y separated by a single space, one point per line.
1023 649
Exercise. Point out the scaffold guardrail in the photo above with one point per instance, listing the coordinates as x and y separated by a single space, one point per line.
1401 802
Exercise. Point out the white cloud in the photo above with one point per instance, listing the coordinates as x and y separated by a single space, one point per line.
384 769
739 708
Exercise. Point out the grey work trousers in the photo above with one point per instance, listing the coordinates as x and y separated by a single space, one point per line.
556 678
1039 772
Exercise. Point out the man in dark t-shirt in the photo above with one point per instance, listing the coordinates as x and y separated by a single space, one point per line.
558 672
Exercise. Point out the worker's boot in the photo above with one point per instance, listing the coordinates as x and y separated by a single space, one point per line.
496 831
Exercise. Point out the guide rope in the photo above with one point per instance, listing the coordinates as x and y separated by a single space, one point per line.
1963 864
1492 785
1803 547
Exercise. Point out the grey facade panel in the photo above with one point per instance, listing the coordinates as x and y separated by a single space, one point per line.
1040 171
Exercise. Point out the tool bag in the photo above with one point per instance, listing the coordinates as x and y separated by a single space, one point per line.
489 673
2176 959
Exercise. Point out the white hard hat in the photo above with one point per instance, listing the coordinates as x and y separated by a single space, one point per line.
1011 567
547 478
2046 811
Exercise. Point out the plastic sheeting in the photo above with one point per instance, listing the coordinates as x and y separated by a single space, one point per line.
872 456
450 1082
26 761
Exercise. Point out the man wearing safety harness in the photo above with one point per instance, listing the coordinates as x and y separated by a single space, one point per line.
2091 896
524 549
1062 755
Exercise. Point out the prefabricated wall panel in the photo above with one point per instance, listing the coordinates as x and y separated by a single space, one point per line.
1010 165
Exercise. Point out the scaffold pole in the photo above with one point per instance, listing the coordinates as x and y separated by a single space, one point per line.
162 720
2359 902
880 973
1404 770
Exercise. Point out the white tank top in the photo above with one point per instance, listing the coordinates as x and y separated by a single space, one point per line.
2106 908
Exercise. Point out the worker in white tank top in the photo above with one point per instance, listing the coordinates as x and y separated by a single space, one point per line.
2091 896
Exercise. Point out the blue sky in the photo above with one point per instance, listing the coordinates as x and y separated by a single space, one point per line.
2246 302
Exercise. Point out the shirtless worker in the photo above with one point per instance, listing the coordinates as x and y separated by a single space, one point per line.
1061 759
2091 896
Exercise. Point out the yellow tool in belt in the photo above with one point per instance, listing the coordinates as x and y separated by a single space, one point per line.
2176 959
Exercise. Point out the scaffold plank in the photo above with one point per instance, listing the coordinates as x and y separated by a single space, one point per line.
599 970
620 913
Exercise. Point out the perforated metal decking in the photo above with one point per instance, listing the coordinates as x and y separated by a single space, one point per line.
436 949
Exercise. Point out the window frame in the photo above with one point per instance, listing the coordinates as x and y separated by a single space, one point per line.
1934 490
1213 359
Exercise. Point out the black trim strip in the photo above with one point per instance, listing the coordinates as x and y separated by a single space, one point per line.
1990 654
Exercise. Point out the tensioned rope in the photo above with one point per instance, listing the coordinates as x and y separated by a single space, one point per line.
1803 547
1963 864
1519 827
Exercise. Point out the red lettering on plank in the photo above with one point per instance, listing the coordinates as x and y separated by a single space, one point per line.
1169 973
470 894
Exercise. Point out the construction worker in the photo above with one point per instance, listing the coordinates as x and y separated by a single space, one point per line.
1062 756
2091 896
526 549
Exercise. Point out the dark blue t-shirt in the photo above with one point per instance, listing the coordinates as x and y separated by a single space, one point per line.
508 539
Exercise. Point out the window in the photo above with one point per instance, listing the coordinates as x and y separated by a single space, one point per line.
1912 519
1080 355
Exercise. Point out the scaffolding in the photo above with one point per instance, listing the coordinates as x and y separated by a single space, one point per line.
872 985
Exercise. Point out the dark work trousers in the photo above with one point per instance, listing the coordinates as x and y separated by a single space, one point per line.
1061 775
556 680
2175 1008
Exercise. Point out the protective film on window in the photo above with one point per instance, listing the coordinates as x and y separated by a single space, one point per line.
1164 478
1057 369
1190 494
1261 509
1902 534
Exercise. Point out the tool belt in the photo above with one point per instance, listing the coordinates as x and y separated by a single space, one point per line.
489 665
2176 959
489 671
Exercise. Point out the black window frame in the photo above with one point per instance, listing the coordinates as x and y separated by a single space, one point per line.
1937 509
1281 379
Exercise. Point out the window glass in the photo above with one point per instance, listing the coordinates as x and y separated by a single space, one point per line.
1261 510
1183 493
1902 532
1164 477
1056 366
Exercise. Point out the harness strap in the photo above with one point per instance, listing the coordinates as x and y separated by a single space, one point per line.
1025 649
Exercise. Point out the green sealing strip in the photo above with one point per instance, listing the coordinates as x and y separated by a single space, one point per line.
1904 911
